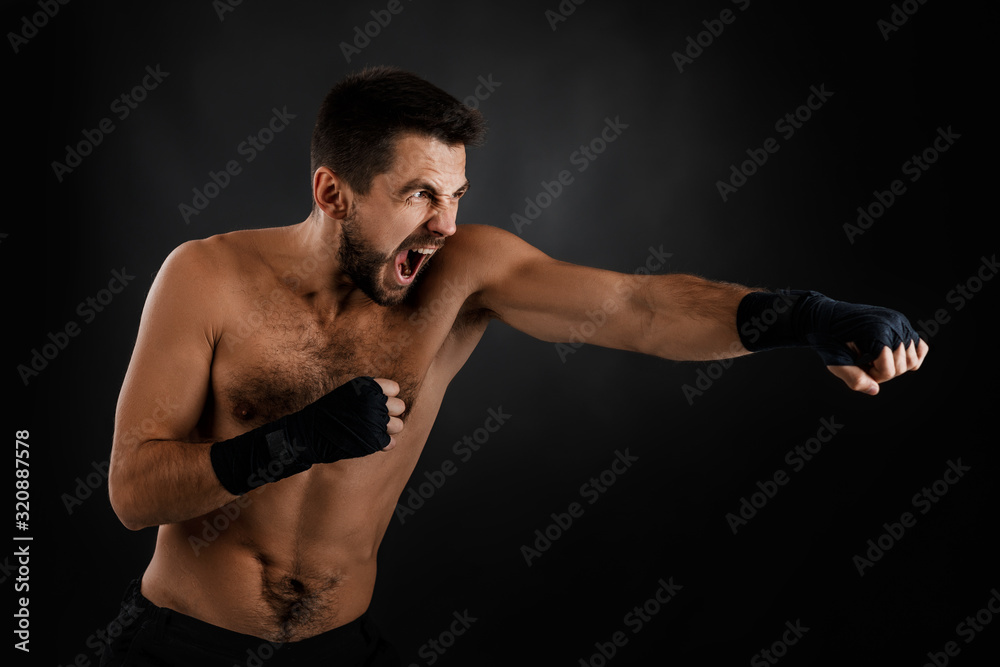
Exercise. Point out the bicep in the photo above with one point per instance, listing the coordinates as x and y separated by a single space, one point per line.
557 301
167 381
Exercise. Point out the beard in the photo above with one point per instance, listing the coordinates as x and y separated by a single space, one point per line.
365 265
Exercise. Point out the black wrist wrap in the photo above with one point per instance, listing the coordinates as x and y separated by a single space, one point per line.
765 320
797 318
348 422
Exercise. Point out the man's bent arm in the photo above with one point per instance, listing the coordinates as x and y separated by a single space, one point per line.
159 472
157 475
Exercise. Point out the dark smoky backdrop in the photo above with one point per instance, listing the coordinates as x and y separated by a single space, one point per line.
574 505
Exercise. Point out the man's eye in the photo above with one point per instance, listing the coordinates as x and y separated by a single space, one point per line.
422 194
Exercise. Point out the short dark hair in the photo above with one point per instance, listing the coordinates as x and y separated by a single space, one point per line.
363 115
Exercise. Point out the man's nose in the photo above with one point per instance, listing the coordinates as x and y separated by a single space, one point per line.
443 223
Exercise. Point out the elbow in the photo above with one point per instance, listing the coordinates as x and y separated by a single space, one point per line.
132 524
124 502
124 509
130 520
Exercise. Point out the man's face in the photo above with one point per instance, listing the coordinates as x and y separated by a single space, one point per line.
392 232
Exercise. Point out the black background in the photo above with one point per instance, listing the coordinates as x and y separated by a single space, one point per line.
654 186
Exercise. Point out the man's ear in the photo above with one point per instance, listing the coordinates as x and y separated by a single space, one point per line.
331 193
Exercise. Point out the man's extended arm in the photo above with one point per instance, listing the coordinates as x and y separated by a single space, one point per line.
673 316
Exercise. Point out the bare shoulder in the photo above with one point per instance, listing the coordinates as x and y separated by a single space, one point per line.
198 277
482 257
488 253
486 240
216 259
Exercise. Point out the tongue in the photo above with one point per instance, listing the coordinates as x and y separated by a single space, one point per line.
403 267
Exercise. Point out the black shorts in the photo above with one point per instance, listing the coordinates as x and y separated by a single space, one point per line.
152 635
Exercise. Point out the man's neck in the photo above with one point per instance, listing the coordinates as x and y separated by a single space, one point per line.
312 267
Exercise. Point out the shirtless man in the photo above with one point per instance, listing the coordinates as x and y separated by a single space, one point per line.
253 338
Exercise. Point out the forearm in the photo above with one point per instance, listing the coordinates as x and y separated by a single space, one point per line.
689 318
694 319
164 481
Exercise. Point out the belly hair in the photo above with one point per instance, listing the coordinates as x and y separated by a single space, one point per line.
297 602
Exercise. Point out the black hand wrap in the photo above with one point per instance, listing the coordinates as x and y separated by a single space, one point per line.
796 318
347 423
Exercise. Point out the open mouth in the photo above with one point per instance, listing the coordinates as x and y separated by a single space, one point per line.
408 263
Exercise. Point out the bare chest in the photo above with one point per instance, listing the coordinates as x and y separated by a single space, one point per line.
276 362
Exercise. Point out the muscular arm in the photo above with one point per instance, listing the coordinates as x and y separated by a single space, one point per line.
674 316
160 472
158 475
679 317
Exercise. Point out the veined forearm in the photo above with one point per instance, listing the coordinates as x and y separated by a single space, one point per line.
689 318
164 482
